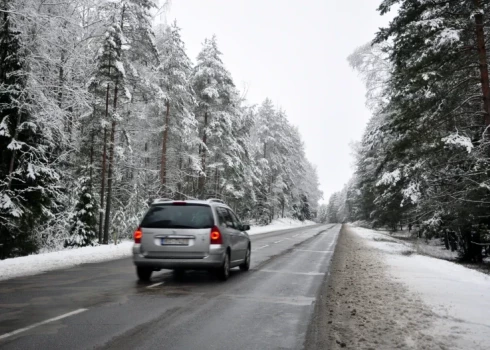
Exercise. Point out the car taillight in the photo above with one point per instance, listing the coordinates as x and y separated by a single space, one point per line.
216 237
137 235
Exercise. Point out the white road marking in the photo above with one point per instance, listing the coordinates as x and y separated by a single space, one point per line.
260 248
296 235
278 241
295 273
155 285
6 335
315 251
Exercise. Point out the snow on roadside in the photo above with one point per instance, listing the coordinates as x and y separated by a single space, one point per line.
435 250
391 244
279 224
456 294
39 263
384 242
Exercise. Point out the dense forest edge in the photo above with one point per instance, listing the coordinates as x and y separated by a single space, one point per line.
102 111
423 161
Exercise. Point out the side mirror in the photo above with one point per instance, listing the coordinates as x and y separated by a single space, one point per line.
245 227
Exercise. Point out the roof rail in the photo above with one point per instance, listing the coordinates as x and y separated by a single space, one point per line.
216 200
159 200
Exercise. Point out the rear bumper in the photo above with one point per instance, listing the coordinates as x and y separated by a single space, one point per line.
212 260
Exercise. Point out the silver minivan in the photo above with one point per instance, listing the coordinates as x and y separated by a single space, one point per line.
191 235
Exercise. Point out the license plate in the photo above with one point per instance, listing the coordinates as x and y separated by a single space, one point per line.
174 241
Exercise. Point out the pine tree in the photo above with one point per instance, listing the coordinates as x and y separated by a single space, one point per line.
333 208
84 89
110 73
305 213
179 124
28 187
138 95
83 224
423 153
216 96
322 214
436 114
11 116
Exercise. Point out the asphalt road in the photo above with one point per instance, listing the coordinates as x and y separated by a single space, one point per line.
103 306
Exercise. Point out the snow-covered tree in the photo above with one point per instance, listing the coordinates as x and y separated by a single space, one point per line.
322 214
29 182
83 223
217 98
423 155
87 87
305 212
180 139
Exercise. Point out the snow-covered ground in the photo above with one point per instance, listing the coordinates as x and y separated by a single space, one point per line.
457 295
433 247
39 263
279 224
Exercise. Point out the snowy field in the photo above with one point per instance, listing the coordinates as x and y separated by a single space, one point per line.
457 295
39 263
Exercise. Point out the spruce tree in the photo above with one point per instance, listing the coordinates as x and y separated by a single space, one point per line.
305 213
179 124
83 223
109 78
216 98
84 88
28 182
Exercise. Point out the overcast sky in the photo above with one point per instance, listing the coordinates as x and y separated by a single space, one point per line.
294 52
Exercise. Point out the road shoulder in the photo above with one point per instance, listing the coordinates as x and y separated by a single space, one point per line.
361 307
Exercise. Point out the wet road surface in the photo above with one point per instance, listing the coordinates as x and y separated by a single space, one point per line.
103 306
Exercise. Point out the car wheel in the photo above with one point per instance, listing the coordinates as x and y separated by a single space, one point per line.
224 271
144 273
246 264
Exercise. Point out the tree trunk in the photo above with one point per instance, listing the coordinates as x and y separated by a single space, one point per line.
61 79
70 124
271 199
109 175
107 218
181 178
14 151
91 165
61 73
202 177
163 166
216 184
482 55
104 156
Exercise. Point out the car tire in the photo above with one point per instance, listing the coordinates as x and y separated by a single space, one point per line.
144 273
223 272
246 264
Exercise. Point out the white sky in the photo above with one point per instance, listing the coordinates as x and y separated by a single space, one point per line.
294 52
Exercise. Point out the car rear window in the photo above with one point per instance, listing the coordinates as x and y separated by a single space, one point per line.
178 216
